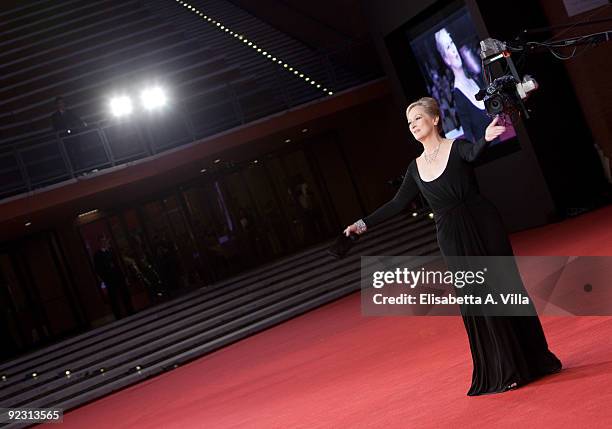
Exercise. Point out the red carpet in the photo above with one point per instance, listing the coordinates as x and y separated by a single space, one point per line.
332 368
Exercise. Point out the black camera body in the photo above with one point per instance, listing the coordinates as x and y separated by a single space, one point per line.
501 96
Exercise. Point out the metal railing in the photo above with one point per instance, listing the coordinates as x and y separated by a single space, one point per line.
41 159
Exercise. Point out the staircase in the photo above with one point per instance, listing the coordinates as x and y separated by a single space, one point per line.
161 338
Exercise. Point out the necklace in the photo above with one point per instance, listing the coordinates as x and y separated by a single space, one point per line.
431 158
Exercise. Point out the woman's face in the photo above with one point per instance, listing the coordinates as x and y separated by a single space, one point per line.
450 53
421 124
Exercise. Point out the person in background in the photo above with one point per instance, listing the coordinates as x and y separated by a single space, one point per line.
65 122
168 263
64 119
107 269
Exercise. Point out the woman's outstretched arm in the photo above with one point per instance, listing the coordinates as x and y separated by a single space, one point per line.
471 151
407 191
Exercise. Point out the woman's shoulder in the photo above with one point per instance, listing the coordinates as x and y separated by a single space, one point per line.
412 166
462 142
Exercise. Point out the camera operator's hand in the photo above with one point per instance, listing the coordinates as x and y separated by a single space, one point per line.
493 130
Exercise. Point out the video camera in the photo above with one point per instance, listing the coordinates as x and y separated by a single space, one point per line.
504 94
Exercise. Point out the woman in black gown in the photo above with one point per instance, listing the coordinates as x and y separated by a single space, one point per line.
507 351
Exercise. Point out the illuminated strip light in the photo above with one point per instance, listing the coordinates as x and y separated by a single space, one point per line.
254 46
88 213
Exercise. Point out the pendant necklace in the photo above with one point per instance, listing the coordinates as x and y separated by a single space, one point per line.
431 158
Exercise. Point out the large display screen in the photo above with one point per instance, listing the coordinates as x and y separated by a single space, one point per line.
442 47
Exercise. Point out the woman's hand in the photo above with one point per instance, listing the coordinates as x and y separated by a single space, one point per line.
351 229
358 228
493 130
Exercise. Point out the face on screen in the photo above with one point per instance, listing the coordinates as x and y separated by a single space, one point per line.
448 50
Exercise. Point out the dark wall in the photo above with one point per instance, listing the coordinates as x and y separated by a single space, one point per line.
557 165
589 71
365 148
317 24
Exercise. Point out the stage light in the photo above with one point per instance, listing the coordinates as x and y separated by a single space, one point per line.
153 98
304 130
431 215
34 374
217 161
4 378
121 106
67 372
28 223
414 214
288 141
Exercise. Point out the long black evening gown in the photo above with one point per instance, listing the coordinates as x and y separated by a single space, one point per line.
505 349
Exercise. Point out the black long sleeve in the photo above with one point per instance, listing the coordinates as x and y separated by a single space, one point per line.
407 191
471 151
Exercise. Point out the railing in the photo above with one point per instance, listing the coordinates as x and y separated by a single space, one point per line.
44 158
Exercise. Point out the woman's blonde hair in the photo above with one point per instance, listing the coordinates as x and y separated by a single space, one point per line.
439 46
431 107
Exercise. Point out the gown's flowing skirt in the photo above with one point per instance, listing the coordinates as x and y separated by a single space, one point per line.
507 351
